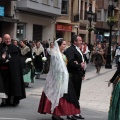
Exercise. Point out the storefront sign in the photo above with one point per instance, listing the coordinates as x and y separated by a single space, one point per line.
1 11
63 27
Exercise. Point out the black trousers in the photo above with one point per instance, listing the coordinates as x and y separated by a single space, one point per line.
77 82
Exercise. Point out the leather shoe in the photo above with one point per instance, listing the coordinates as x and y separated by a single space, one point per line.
79 117
71 118
2 104
59 118
53 118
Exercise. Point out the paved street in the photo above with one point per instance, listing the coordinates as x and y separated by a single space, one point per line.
95 96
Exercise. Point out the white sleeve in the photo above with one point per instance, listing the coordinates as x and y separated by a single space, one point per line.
116 52
48 50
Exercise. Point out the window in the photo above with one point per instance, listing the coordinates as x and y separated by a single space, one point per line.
37 32
21 31
105 15
64 7
55 3
99 15
45 1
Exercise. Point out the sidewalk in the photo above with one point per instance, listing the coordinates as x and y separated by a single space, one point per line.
95 96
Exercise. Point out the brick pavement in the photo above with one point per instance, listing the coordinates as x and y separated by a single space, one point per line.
94 100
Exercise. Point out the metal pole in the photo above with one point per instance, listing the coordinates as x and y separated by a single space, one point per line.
89 35
108 64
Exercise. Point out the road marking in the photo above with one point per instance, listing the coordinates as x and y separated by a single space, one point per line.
11 119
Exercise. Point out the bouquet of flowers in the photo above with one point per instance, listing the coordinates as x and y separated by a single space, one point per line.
28 60
44 59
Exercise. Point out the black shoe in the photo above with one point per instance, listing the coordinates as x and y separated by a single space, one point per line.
59 118
26 84
2 104
15 104
37 77
71 118
79 117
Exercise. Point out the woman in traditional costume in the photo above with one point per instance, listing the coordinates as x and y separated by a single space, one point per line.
114 110
27 66
38 54
58 96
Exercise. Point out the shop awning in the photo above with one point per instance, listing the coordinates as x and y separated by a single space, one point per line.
7 19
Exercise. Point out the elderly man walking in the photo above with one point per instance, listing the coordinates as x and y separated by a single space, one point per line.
11 73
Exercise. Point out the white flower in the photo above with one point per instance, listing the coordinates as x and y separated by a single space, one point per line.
44 59
33 57
28 60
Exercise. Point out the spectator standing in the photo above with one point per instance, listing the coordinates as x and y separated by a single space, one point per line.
98 57
117 53
85 51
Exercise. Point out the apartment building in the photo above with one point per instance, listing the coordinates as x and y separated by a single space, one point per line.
6 18
118 25
73 19
30 19
84 7
103 30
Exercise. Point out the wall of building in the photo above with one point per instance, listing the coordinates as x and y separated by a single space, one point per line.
49 8
30 19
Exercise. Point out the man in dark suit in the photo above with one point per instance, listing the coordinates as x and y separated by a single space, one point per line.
75 67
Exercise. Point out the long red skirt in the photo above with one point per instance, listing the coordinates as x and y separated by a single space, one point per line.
64 107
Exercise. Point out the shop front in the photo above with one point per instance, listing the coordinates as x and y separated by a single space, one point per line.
63 31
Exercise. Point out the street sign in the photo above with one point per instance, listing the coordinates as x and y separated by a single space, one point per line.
1 11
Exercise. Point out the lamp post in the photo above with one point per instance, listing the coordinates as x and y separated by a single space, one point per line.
90 16
111 22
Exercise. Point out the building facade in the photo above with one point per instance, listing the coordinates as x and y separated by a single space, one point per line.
103 30
30 19
73 19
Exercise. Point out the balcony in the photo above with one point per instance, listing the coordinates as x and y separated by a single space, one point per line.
101 25
42 7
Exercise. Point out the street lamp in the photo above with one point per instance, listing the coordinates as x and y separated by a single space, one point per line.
111 22
90 16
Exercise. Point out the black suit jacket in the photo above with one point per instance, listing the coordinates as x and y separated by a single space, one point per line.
73 55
